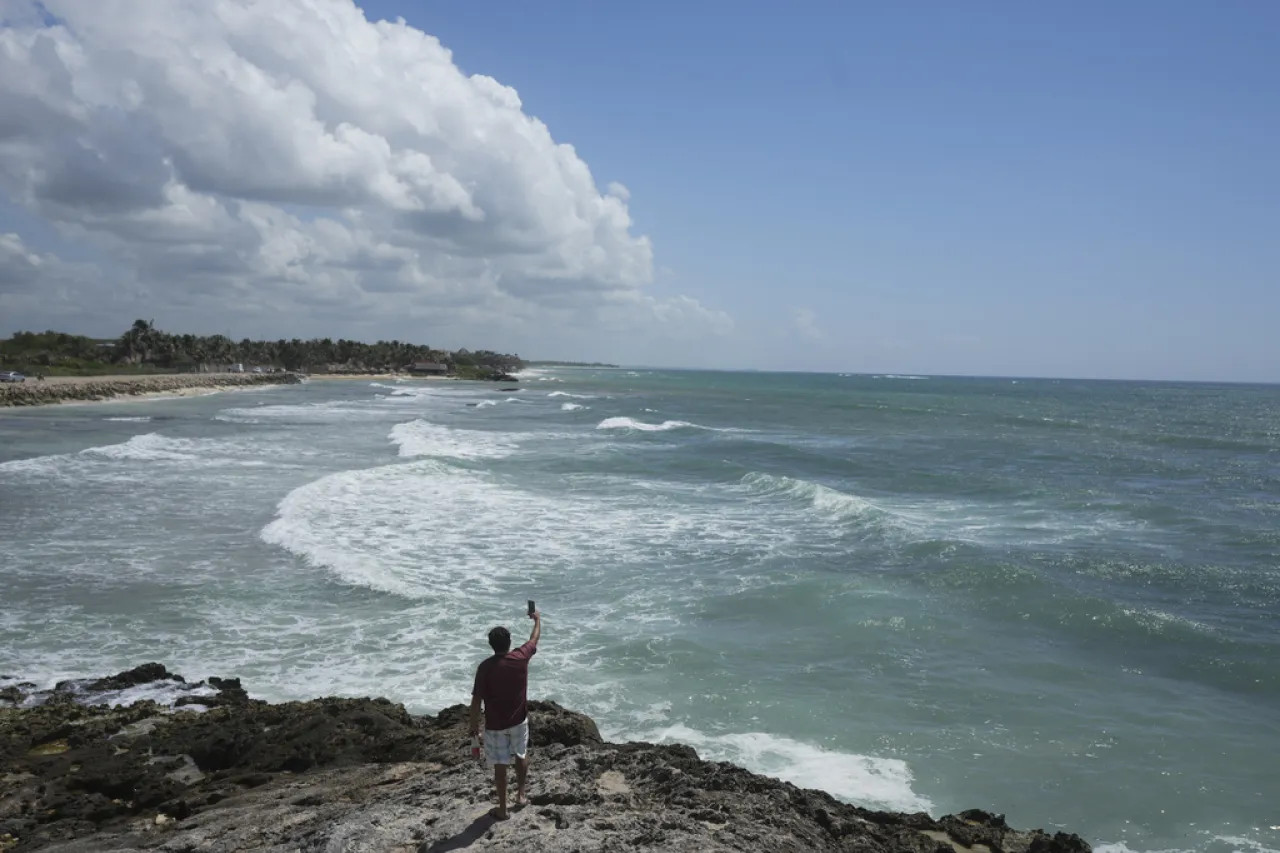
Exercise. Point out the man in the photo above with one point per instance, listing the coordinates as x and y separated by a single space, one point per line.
501 684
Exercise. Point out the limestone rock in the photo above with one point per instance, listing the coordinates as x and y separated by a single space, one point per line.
364 775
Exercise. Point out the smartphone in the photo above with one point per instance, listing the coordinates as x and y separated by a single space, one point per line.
531 607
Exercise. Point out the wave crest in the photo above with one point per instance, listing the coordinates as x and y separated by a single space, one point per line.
420 438
632 423
829 502
862 779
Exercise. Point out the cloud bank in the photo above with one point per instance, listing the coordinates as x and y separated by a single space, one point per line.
294 158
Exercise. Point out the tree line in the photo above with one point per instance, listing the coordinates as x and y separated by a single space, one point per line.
144 346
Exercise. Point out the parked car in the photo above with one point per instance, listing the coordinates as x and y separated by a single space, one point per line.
12 377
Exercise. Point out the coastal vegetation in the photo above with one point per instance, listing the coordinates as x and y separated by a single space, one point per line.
145 349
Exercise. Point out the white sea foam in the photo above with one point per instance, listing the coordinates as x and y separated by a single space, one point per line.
32 466
160 692
861 779
120 461
632 423
165 692
129 420
149 447
412 529
571 407
574 396
428 528
333 411
1121 847
1240 844
420 438
1210 843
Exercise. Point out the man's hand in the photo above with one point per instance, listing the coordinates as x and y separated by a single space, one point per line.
536 616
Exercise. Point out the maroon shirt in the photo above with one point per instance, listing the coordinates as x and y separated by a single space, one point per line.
502 682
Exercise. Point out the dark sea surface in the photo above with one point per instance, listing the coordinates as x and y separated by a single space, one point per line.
1059 600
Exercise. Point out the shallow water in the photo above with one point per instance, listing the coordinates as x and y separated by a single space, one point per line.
1052 599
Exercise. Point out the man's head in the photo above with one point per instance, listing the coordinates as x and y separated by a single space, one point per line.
500 639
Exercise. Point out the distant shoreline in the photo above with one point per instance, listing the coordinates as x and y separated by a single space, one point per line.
89 389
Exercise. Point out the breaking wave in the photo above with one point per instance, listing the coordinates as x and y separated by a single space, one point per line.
420 438
866 780
632 423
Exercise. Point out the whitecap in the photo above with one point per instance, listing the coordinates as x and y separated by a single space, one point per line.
429 528
570 407
574 396
829 502
632 423
118 461
149 447
327 412
129 420
865 780
420 438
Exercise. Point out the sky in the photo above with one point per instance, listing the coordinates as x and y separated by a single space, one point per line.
1084 189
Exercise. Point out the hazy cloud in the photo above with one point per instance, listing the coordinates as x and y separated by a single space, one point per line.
804 322
294 156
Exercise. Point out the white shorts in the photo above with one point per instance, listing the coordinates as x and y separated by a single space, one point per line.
500 745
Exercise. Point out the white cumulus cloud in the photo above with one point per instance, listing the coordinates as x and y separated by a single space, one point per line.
294 156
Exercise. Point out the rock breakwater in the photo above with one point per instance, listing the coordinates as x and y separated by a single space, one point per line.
83 389
364 775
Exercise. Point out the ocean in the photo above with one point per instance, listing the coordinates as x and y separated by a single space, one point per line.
1058 600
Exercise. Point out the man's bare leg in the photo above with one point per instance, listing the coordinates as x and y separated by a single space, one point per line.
500 782
522 773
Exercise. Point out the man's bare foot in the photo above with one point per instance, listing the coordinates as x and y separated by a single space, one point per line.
521 801
499 814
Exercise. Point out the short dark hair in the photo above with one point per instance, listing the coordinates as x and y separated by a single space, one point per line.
500 639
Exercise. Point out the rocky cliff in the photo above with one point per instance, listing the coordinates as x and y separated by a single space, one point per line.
364 775
36 393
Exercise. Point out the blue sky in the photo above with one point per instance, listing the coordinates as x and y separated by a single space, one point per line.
1079 189
1086 189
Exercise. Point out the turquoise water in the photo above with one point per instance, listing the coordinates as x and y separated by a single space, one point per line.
1058 600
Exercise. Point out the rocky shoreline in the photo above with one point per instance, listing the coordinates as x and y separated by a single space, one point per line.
36 393
220 771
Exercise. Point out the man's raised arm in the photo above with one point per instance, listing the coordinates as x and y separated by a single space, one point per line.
536 616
